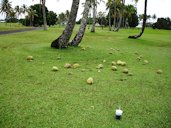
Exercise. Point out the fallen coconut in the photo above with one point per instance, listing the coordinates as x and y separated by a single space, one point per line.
114 68
83 49
113 63
99 71
139 58
146 62
90 80
104 61
76 65
159 71
119 62
123 63
100 66
82 70
67 65
125 71
55 68
29 58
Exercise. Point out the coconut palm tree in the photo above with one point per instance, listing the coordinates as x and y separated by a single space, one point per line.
44 14
78 37
121 15
94 5
108 5
144 23
5 7
18 11
31 14
63 39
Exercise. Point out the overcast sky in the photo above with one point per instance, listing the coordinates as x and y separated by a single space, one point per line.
159 7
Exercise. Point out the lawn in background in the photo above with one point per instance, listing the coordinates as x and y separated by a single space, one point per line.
11 26
33 96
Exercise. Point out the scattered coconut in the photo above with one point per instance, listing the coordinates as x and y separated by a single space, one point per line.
99 71
113 63
139 58
55 68
100 66
125 71
59 58
70 73
146 62
159 71
83 49
114 68
104 61
110 52
123 63
76 65
90 80
29 58
130 74
136 53
83 70
67 65
119 62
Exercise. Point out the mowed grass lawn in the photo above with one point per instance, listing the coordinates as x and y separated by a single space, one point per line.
34 96
11 26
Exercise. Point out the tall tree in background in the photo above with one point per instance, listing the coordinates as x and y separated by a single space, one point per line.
144 22
94 4
63 39
108 5
5 7
78 37
18 11
122 3
31 14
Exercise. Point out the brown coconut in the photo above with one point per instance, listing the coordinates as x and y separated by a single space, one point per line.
67 65
100 66
114 68
125 71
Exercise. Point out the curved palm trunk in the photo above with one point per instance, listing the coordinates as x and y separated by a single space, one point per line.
78 37
144 23
62 40
120 18
94 16
44 15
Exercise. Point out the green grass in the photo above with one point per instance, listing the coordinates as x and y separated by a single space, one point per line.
33 96
11 26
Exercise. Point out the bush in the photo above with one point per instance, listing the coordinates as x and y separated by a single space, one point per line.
162 23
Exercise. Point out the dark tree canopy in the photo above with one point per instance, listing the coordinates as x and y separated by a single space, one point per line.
163 23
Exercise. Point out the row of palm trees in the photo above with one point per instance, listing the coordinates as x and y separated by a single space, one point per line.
63 40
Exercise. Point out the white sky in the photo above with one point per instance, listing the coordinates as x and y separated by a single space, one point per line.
159 7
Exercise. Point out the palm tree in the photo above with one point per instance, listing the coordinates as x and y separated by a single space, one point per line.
18 11
94 4
121 14
62 40
144 23
24 10
108 5
5 7
44 14
78 37
31 14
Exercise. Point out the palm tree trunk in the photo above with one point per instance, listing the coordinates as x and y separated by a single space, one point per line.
109 20
114 20
120 18
94 16
144 23
44 15
62 40
78 37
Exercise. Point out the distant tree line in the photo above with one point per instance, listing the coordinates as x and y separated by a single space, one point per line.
162 23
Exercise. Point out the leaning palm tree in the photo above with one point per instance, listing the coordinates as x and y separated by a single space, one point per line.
144 23
78 37
63 39
5 7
